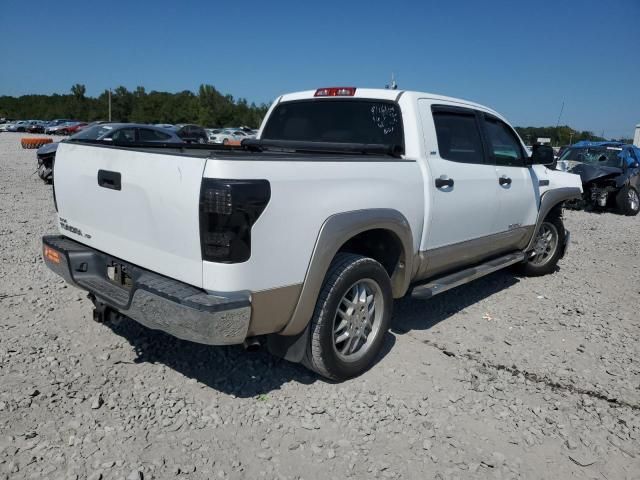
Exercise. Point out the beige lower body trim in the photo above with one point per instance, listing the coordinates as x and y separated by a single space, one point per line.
453 257
272 309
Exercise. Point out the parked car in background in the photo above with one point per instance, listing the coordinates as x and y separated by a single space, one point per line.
53 125
37 127
164 125
561 150
46 155
91 124
4 127
230 135
211 133
19 126
610 174
71 128
128 133
190 133
120 133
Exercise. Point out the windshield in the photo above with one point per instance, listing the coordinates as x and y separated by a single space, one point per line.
93 133
337 121
603 156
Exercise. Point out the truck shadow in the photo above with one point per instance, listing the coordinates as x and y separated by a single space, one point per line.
231 369
228 369
417 314
234 371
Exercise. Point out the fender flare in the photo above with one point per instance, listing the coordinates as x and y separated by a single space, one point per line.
334 233
549 200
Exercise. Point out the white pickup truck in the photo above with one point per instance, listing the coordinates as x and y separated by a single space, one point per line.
302 238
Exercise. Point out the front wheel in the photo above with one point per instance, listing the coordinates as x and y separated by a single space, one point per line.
547 248
351 317
628 201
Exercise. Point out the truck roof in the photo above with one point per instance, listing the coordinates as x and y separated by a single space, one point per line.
387 94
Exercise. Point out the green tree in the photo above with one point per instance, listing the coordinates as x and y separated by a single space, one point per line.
78 91
208 107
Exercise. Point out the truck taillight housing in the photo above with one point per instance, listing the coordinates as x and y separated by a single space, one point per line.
228 210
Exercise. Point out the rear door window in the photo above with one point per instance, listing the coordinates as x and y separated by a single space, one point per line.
458 135
337 121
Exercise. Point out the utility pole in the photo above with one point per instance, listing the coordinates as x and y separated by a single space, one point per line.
109 104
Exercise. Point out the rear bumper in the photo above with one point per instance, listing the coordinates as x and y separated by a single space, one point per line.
153 300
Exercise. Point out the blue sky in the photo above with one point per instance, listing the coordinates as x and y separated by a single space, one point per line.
521 58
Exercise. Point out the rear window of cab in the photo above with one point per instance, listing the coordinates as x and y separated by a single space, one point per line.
337 121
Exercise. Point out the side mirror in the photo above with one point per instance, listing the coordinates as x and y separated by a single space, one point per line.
541 155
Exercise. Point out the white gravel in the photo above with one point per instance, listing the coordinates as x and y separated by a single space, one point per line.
504 378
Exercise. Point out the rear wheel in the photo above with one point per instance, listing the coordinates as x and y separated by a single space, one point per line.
547 247
351 317
628 201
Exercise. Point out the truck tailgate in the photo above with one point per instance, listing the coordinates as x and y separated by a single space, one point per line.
151 220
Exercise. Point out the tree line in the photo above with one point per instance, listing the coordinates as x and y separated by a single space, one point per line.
207 107
561 135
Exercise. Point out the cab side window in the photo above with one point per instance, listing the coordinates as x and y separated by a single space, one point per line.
503 143
458 135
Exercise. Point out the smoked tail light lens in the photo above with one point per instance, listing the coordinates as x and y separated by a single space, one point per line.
228 210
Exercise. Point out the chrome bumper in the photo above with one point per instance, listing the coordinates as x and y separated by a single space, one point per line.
155 301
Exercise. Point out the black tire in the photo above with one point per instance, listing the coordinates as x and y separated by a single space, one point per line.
625 203
347 272
546 262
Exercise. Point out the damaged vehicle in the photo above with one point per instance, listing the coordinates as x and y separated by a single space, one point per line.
610 174
46 155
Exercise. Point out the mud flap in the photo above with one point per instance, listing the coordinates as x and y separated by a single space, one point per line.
291 348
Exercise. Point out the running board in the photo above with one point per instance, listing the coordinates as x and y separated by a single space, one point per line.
442 284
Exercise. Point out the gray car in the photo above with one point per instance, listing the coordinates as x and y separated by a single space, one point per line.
127 133
118 133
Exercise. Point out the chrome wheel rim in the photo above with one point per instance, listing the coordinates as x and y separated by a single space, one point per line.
545 245
634 202
357 320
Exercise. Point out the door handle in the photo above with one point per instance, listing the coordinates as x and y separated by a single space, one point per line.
504 180
110 180
444 182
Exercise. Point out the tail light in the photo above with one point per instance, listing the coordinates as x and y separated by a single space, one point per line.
336 92
228 210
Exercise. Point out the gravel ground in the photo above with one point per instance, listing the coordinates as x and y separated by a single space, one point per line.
504 378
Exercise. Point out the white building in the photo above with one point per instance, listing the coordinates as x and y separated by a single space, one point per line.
636 136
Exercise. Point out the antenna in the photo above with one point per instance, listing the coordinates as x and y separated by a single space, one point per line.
561 110
393 85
